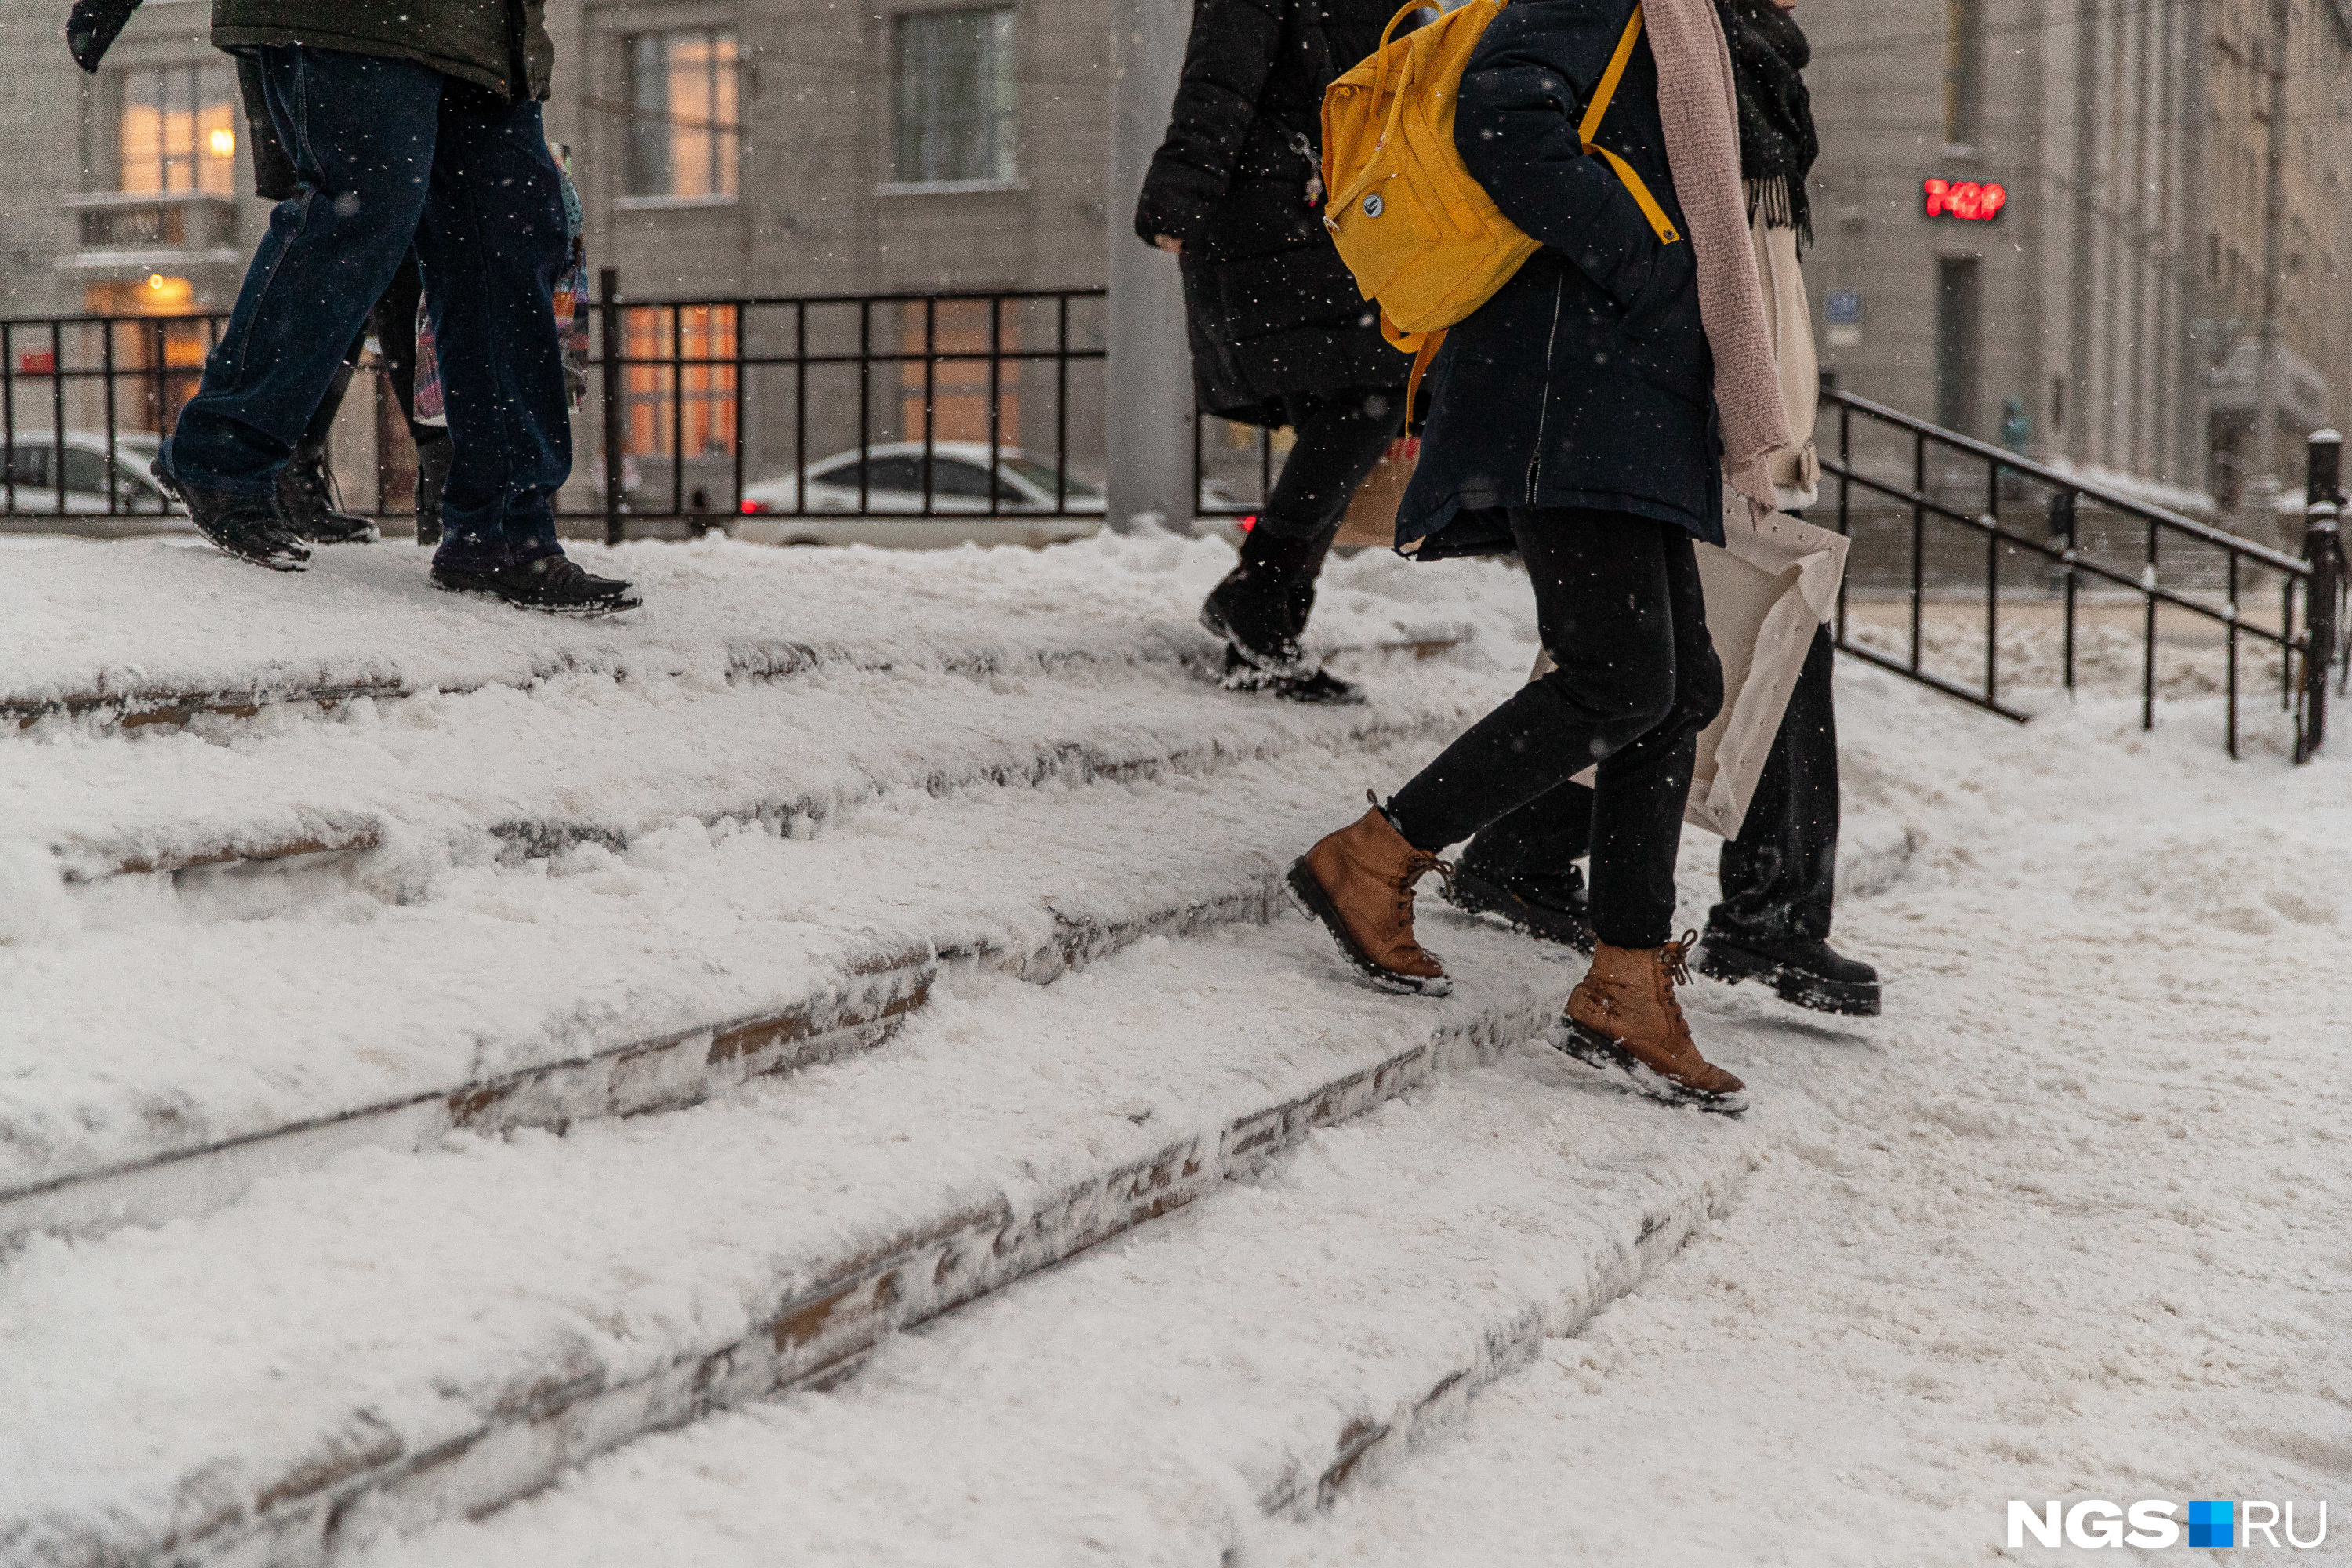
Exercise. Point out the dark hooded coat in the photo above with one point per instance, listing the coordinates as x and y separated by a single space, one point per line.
1270 308
1586 382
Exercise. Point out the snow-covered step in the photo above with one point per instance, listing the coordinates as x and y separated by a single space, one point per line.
194 1034
580 757
1156 1400
397 1338
154 630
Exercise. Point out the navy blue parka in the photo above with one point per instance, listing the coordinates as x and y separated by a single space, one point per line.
1586 381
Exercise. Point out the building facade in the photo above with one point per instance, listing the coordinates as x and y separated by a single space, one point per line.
2105 311
2101 309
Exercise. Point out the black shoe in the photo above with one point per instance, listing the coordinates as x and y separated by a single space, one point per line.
1802 970
250 527
1260 608
1322 687
1550 906
307 498
552 582
433 457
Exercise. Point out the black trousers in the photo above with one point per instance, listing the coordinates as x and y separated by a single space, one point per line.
1340 437
1780 874
1620 608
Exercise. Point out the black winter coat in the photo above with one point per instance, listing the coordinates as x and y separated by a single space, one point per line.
1271 309
500 45
1586 381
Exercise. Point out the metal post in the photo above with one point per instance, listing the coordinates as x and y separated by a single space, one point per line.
1147 401
608 317
2323 548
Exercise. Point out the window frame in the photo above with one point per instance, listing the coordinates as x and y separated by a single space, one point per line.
996 162
724 78
193 75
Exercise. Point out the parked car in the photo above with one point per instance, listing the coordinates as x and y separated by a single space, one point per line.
29 471
1025 488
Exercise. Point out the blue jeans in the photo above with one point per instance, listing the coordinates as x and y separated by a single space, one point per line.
391 153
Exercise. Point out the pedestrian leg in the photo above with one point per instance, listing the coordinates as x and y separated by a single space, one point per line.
1781 874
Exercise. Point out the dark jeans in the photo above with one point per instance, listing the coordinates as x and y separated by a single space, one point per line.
1780 874
393 154
1621 610
1339 438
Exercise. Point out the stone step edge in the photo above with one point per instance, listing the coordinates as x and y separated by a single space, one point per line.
84 861
1369 1445
141 705
858 1007
363 1482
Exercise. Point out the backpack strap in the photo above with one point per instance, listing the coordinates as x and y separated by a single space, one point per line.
1662 225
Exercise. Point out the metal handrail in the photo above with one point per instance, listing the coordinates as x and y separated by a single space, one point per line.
2060 547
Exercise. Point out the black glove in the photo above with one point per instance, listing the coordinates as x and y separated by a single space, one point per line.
91 29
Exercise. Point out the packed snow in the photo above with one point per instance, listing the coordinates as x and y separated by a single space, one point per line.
2067 1222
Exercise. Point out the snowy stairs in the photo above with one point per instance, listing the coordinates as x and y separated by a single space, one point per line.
662 1039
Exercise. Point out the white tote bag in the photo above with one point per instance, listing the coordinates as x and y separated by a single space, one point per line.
1770 584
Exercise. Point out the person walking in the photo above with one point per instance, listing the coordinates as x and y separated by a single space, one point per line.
411 124
1780 875
1586 417
305 489
1279 332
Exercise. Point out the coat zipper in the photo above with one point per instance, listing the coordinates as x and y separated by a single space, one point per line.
1543 408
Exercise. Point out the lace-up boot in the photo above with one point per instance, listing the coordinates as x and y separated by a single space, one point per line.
1623 1016
307 498
249 527
1253 608
1359 883
552 583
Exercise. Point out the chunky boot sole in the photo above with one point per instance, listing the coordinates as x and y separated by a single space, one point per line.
1800 987
466 583
1319 689
1475 895
1213 620
1598 1050
1316 905
290 557
363 532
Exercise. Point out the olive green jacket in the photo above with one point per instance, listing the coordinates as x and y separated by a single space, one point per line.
490 43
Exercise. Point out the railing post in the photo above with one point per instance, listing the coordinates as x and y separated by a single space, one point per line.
2323 548
608 317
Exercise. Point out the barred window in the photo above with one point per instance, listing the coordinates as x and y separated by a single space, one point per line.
956 96
686 131
679 380
176 130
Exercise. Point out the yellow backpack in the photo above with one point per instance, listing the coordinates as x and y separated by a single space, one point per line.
1423 238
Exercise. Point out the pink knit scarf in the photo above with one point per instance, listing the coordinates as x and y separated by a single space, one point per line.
1701 118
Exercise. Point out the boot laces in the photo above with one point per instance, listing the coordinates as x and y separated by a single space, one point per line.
1675 959
311 489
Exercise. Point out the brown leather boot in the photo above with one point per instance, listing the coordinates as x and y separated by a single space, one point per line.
1359 883
1624 1015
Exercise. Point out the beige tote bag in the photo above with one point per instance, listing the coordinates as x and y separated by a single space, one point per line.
1770 584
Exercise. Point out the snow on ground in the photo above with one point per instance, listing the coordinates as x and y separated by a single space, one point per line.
136 615
2068 1221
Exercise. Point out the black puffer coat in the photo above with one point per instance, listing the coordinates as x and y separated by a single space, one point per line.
1270 307
1587 381
500 45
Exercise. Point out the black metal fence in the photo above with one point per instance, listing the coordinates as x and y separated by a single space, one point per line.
793 409
1925 504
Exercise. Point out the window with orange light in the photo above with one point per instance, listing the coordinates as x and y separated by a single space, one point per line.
677 400
176 130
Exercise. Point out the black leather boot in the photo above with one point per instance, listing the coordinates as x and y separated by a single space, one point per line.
250 527
307 497
1546 904
1802 970
1253 608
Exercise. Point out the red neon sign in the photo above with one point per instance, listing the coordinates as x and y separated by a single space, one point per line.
1967 200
